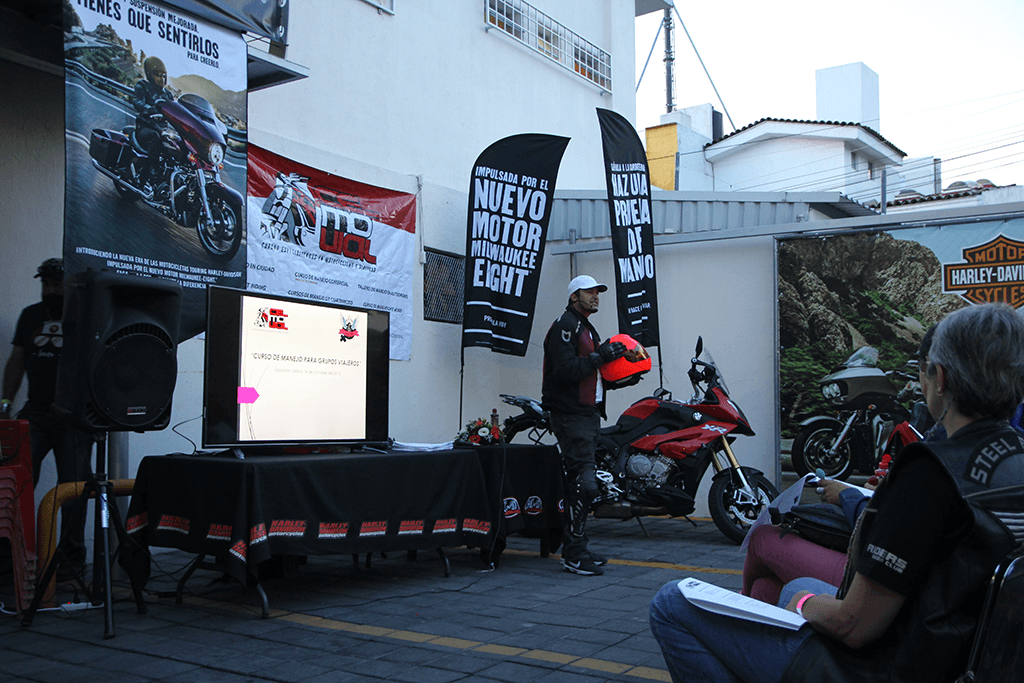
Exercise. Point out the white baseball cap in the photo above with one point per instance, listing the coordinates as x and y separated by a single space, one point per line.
585 282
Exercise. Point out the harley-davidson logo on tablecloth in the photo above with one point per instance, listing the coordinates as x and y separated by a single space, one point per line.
287 527
443 526
173 523
333 529
239 550
994 272
411 526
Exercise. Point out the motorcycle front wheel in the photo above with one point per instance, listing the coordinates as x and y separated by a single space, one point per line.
732 509
222 236
811 452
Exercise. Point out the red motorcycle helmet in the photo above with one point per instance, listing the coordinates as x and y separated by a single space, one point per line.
626 371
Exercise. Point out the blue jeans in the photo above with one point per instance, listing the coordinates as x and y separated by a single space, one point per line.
703 646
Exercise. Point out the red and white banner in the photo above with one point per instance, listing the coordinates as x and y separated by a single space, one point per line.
318 236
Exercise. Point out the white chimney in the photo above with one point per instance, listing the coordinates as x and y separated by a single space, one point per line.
848 94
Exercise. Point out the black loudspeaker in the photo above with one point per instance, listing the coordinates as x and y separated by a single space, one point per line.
119 362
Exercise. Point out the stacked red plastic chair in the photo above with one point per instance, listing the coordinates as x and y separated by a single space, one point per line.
17 507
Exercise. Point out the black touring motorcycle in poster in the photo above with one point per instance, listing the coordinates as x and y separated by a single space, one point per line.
155 162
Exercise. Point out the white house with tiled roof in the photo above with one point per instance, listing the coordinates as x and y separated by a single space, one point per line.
840 151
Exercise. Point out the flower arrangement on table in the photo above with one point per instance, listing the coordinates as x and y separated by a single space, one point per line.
480 432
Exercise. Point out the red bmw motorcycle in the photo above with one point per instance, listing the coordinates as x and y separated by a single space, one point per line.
652 460
189 190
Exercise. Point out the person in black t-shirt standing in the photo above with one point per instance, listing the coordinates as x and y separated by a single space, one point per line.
35 353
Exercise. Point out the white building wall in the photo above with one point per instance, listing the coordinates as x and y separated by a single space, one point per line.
32 194
816 164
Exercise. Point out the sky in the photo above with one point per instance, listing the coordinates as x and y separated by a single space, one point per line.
951 74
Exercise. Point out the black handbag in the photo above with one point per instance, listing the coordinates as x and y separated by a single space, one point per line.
820 523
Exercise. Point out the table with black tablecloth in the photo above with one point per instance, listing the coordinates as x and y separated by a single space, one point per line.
528 481
243 512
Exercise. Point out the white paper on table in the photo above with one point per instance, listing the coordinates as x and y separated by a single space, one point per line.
721 601
410 446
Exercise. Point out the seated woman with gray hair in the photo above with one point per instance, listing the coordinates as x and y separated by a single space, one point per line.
920 558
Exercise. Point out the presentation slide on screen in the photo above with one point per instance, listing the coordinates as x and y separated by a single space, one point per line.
303 372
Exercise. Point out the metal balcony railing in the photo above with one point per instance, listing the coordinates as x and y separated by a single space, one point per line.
542 34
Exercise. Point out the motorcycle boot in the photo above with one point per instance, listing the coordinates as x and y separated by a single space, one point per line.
580 492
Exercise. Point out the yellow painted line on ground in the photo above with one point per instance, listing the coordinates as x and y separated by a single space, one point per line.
644 672
501 650
648 672
652 565
545 656
602 665
592 663
680 567
459 643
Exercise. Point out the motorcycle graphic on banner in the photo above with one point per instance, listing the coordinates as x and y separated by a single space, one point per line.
155 119
317 236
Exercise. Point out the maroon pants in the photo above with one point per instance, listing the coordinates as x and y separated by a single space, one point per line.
773 561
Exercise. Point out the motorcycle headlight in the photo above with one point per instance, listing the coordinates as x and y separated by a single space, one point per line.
831 391
215 154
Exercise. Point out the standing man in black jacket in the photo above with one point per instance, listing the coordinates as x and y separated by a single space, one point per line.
573 395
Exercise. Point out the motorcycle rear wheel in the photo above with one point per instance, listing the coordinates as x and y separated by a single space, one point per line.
732 514
810 453
535 430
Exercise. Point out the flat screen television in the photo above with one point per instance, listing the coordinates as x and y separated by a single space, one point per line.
282 371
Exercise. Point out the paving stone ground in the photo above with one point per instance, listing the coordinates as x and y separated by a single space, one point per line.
397 620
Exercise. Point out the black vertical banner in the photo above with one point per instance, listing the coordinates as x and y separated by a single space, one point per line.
629 207
510 196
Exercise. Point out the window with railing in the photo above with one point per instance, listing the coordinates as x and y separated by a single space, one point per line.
544 35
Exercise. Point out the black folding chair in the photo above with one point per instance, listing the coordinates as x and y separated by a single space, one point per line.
997 655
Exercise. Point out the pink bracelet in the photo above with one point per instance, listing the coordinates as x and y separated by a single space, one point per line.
800 604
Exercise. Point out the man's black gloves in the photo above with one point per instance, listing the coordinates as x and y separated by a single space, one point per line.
612 351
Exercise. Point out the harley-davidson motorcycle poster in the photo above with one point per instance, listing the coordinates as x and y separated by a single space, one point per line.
155 130
319 236
841 294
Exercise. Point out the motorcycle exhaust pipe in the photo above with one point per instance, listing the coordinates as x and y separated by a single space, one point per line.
627 511
113 176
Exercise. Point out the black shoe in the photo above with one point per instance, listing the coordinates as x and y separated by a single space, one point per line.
584 566
599 560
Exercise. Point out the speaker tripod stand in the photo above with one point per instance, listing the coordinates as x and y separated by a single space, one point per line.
101 488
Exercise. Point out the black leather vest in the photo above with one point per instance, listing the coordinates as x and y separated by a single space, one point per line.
931 636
